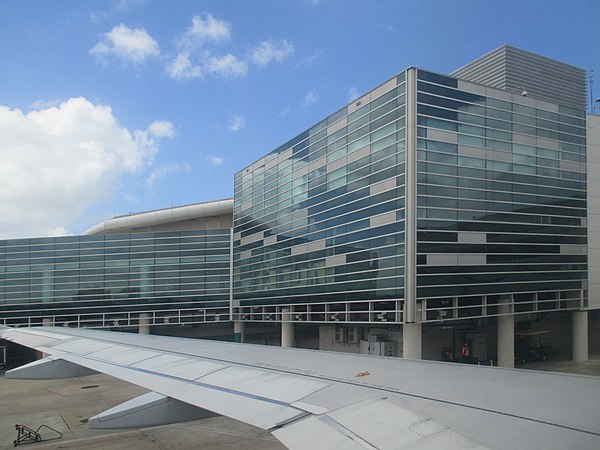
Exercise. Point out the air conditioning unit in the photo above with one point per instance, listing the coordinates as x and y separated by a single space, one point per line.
352 335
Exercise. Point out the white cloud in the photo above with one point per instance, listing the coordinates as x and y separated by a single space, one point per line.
161 129
310 98
237 123
285 111
181 68
127 44
268 51
164 170
196 57
352 93
57 162
215 161
43 104
312 59
227 66
204 30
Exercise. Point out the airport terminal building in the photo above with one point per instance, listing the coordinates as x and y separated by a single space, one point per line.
435 210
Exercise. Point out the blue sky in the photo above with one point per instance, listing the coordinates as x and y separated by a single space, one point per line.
111 107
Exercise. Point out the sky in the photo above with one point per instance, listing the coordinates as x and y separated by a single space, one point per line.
121 106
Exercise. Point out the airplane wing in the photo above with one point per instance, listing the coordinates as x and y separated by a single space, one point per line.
313 399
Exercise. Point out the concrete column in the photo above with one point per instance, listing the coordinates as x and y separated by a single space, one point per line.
287 328
144 325
411 341
506 337
579 321
239 331
46 322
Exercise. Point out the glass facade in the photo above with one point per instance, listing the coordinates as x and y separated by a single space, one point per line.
500 212
320 220
501 185
430 198
107 280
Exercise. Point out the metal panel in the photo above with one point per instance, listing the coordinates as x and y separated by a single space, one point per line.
313 433
123 355
386 425
31 340
180 367
260 412
83 346
515 70
284 388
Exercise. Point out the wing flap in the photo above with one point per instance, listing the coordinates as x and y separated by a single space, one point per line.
284 388
81 346
391 426
373 424
177 366
312 432
121 354
262 412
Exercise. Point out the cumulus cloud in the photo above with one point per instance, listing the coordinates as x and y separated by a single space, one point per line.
237 123
59 161
228 66
127 44
215 161
181 68
268 51
161 129
191 44
203 30
196 57
310 98
164 170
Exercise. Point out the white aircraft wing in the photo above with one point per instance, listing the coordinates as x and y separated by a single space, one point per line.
313 399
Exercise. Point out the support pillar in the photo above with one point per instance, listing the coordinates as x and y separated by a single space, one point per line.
239 331
579 321
411 341
46 322
287 328
144 323
506 337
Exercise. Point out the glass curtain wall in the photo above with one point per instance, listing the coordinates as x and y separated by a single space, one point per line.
501 200
97 280
320 220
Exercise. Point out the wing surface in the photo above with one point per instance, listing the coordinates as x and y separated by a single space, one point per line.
313 399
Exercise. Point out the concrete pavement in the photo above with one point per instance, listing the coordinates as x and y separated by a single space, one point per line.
67 404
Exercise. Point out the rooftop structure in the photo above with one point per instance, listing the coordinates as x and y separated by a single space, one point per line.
197 216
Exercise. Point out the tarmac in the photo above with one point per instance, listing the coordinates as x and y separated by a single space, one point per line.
65 405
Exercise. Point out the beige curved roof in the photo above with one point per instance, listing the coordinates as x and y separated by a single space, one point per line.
163 216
